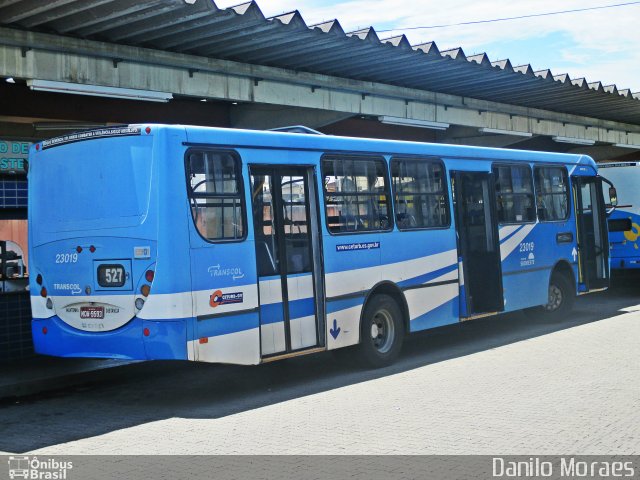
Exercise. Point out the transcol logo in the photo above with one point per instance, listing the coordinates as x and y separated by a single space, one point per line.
32 468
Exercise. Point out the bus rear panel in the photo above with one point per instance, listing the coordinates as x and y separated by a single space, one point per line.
94 245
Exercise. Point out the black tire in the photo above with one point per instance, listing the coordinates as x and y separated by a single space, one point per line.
561 299
381 349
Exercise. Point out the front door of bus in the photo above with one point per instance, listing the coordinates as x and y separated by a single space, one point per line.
592 239
478 243
285 220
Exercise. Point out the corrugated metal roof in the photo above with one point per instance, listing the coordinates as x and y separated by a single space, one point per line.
242 33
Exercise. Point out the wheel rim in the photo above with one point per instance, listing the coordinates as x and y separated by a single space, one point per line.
555 298
382 331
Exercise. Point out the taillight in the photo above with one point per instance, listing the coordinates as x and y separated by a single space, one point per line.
39 279
144 290
149 275
43 292
79 249
92 249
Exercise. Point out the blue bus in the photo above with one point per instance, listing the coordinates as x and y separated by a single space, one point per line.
232 246
624 221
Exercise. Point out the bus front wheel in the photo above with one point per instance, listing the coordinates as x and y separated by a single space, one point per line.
381 332
561 298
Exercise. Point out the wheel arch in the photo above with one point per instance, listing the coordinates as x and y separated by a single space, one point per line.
563 267
394 291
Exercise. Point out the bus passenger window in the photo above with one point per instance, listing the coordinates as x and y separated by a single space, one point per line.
514 194
420 193
267 254
296 224
552 193
215 194
356 194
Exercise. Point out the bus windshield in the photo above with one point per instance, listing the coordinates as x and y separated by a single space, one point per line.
105 186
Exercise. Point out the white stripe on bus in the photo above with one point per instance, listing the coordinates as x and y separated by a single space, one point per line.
363 279
510 245
421 302
507 230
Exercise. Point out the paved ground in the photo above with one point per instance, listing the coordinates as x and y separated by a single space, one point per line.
39 374
503 385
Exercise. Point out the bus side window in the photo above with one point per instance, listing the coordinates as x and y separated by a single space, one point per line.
356 194
514 194
552 193
296 223
420 193
214 189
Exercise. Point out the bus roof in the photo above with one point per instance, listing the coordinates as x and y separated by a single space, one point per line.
328 143
238 138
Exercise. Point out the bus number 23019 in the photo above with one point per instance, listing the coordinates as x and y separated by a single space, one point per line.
66 257
527 246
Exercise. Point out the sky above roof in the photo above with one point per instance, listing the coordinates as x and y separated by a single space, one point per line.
600 45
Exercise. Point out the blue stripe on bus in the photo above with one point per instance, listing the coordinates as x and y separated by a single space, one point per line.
225 325
269 277
344 303
302 308
427 277
272 312
445 314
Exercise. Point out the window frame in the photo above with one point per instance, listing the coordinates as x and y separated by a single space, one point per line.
568 193
434 160
17 178
309 182
353 156
240 194
495 165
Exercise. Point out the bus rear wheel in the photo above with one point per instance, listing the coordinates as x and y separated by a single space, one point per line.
381 332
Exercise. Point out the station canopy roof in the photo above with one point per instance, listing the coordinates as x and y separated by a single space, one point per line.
242 33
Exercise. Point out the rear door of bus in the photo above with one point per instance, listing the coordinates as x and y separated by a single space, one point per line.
288 257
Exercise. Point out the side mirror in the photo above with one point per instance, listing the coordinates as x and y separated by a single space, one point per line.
613 196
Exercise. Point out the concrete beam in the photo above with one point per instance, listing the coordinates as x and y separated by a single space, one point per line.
459 135
31 55
264 117
18 131
604 152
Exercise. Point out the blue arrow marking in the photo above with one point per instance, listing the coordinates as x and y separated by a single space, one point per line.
335 331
